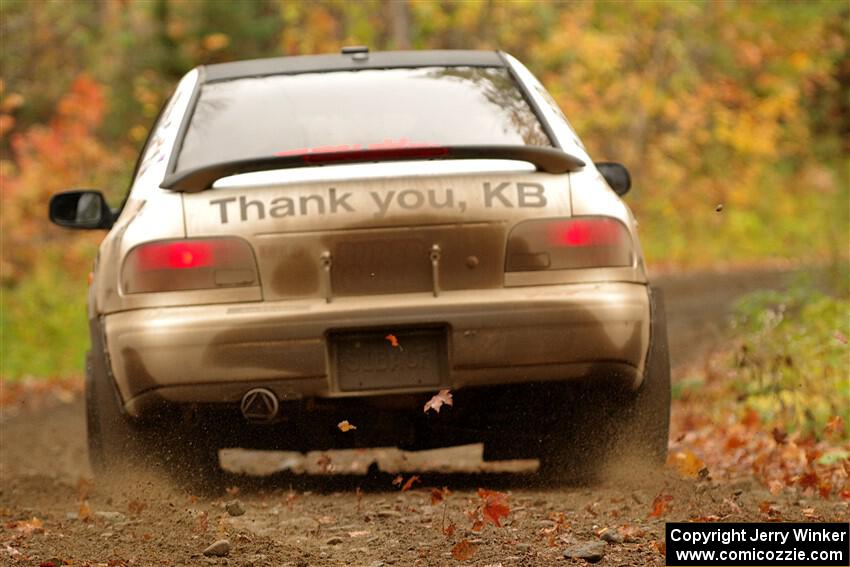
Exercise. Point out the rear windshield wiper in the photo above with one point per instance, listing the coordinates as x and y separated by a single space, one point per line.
550 160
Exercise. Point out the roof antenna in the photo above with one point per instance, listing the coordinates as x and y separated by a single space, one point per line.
357 52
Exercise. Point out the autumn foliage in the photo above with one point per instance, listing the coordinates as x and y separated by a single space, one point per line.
732 117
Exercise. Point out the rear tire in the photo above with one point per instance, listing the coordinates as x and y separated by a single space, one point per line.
606 427
121 448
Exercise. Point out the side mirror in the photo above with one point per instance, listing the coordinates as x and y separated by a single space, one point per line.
84 209
616 175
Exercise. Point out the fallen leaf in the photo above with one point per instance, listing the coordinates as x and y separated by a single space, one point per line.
464 550
809 480
834 425
27 527
135 507
660 505
438 495
779 436
449 530
660 547
775 486
398 480
344 426
631 533
435 403
409 483
393 340
84 513
203 523
495 506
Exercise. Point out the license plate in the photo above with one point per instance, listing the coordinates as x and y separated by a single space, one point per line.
389 359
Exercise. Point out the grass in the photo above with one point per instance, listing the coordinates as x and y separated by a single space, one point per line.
792 358
43 326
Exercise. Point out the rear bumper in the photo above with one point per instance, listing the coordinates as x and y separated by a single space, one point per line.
215 353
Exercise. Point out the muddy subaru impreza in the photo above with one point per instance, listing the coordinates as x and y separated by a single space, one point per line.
317 239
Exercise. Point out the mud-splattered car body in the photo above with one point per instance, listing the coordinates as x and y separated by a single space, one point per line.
349 274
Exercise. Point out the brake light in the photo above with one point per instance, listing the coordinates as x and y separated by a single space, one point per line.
560 244
585 232
186 264
182 254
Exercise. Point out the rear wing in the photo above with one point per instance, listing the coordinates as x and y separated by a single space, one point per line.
550 160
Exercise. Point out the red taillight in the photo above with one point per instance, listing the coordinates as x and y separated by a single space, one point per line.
177 265
179 254
585 232
559 244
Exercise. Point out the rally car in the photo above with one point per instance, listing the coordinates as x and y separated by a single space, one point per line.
336 238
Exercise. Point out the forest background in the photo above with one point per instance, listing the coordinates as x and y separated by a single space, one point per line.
733 118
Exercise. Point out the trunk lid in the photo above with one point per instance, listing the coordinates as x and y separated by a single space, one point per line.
379 231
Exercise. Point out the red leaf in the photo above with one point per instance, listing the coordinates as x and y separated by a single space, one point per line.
435 403
438 495
494 506
808 480
464 550
660 505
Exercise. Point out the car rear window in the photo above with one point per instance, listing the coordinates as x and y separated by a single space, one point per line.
350 110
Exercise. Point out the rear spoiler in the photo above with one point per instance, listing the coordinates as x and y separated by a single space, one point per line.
550 160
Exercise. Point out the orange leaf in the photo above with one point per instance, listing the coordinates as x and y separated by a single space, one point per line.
464 550
449 530
84 512
834 425
437 496
393 340
435 403
409 483
494 506
345 427
28 527
660 505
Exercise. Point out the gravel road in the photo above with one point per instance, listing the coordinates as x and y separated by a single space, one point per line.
52 514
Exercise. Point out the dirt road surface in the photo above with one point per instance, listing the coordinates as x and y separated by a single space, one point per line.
51 513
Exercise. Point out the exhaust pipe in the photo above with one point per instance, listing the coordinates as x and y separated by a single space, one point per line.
259 405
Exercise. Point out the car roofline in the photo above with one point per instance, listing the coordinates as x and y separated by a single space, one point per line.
350 62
